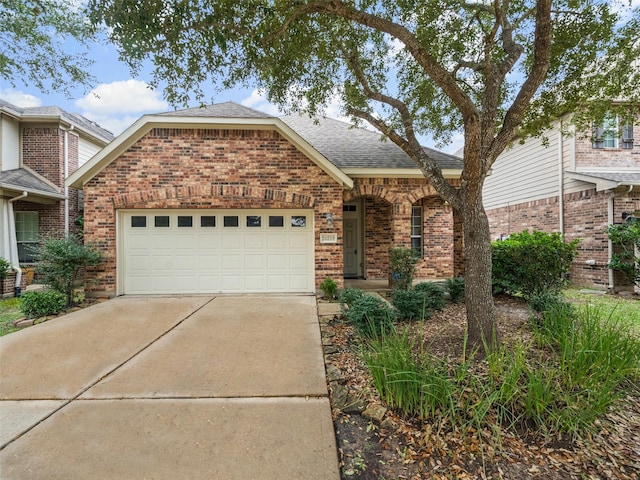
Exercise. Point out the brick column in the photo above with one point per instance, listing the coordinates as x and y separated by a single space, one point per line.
401 224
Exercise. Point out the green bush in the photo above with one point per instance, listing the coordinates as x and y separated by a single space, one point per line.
60 261
627 240
349 295
4 268
402 262
371 315
411 304
41 303
455 287
532 263
329 287
434 294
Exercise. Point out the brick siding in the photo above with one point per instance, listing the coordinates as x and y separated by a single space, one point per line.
585 218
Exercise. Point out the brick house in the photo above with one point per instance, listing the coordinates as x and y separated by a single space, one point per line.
577 185
39 147
228 199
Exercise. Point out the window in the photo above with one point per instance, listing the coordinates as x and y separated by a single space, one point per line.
608 133
254 221
298 221
207 221
138 221
416 230
161 221
27 235
185 221
230 221
276 221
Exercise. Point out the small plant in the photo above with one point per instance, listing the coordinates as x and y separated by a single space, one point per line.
371 315
4 268
39 304
62 259
434 294
411 304
403 267
330 288
455 287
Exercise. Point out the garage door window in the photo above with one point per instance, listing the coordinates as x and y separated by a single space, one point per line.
254 221
161 221
230 220
185 221
276 221
298 221
138 221
207 221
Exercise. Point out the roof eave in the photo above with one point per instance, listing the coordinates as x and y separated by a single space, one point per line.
17 189
369 172
602 183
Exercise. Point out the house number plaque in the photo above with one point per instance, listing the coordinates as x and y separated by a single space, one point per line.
328 238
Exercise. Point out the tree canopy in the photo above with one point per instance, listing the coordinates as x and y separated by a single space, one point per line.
35 48
494 70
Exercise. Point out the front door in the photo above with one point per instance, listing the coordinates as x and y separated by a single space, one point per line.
351 243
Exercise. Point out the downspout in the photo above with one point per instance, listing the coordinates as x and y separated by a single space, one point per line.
610 221
560 183
66 189
13 248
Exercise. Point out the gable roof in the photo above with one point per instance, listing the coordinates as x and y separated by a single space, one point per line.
228 115
361 151
58 115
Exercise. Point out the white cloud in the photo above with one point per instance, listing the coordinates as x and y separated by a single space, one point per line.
115 106
258 101
19 98
123 97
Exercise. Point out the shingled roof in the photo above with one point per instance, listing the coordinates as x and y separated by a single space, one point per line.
350 147
21 179
37 113
222 110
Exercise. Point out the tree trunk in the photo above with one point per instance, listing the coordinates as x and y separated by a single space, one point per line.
481 323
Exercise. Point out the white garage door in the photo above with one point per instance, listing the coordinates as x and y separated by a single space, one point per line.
215 251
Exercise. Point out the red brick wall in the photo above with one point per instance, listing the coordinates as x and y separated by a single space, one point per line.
43 151
176 168
585 218
611 158
387 204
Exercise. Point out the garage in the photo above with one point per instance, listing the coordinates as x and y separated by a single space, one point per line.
215 251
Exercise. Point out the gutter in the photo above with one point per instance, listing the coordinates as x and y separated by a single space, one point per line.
13 249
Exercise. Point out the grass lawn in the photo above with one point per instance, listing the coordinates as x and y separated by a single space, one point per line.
9 311
624 309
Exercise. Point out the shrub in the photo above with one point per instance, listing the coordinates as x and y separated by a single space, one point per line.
531 263
371 315
4 268
62 259
349 296
402 262
329 287
434 294
411 304
39 304
455 287
627 240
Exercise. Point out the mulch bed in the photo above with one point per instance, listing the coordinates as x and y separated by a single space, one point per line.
394 447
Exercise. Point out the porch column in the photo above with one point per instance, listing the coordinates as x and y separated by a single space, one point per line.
401 224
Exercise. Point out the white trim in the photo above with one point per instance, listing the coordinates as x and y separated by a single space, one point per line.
369 172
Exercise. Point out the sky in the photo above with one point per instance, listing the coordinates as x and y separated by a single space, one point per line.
118 99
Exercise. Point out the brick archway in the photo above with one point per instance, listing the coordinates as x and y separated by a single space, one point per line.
420 193
366 190
219 191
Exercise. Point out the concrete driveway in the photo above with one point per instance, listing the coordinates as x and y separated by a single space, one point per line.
224 387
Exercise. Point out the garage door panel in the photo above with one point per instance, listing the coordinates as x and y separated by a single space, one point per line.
205 256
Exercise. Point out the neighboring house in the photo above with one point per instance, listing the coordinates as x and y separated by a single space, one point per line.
577 185
39 148
228 199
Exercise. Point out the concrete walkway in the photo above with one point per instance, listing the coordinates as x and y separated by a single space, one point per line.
225 387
